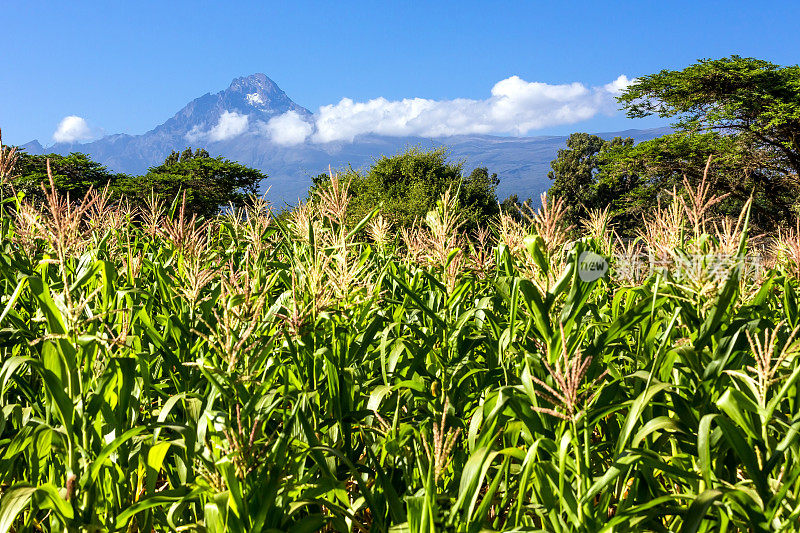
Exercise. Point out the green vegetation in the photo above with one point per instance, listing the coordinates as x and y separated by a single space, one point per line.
743 113
575 176
484 368
405 186
75 174
209 183
246 374
408 185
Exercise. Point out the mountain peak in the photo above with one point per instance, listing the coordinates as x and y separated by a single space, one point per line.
257 81
256 96
33 148
260 92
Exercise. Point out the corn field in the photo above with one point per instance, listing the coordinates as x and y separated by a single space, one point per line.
252 373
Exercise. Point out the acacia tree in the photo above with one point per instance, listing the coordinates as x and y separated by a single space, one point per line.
739 169
732 96
75 174
744 113
209 183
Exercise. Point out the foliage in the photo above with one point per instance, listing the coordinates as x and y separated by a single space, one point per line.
657 166
75 174
575 175
741 95
742 113
209 183
407 186
246 375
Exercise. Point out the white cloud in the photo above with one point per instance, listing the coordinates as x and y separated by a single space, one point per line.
230 125
515 107
618 85
72 129
288 128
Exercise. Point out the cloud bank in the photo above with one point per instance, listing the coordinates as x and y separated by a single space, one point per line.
71 129
515 107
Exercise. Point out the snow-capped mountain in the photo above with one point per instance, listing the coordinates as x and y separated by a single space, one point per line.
235 123
257 97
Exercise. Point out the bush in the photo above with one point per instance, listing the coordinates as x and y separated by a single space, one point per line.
407 186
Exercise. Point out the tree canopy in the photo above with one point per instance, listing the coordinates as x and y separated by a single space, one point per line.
75 173
744 113
575 174
407 185
733 95
209 183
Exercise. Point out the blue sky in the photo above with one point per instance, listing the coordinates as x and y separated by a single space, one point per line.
127 68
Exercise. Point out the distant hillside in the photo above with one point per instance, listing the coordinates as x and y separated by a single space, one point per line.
521 163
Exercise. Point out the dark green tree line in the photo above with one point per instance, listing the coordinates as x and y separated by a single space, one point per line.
209 183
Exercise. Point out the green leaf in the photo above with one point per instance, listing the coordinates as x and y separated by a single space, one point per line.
698 510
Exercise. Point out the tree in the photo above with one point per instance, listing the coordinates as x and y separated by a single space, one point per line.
732 96
743 112
209 183
409 184
511 205
576 174
478 198
75 174
737 170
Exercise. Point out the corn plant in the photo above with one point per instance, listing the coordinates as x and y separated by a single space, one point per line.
251 373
